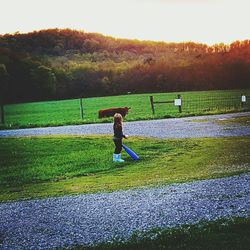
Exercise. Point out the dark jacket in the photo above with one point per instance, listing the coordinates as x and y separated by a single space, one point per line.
118 134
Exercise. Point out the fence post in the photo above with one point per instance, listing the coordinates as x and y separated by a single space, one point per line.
2 113
81 109
152 104
179 97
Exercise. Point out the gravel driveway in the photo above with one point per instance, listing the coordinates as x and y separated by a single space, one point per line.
166 128
93 218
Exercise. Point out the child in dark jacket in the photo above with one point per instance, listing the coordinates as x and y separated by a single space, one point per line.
118 136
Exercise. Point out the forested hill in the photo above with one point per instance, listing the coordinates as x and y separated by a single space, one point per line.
52 64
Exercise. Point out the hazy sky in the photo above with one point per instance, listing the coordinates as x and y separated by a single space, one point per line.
207 21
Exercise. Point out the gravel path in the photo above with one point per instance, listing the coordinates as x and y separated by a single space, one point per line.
89 219
166 128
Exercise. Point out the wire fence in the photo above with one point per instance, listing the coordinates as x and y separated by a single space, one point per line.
143 107
211 103
199 104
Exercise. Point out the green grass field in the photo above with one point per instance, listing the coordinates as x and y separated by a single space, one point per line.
223 234
58 165
54 113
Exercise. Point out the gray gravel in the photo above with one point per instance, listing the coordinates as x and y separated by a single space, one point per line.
166 128
93 218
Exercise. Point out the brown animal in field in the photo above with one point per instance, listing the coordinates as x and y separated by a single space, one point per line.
111 111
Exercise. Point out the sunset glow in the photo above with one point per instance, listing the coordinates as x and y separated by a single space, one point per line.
206 21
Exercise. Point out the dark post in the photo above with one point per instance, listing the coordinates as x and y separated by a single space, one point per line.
179 97
2 114
81 109
152 104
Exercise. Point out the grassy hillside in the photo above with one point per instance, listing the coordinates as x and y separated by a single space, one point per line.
68 111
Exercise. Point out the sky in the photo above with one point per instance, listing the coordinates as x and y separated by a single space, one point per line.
204 21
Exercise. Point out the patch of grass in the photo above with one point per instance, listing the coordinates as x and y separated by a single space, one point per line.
230 234
58 165
200 120
244 120
55 113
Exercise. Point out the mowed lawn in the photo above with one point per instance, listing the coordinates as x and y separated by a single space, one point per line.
58 165
223 234
55 113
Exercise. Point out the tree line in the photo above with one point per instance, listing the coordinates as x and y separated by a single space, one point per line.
64 63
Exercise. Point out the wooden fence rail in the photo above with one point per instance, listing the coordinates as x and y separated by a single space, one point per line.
176 102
